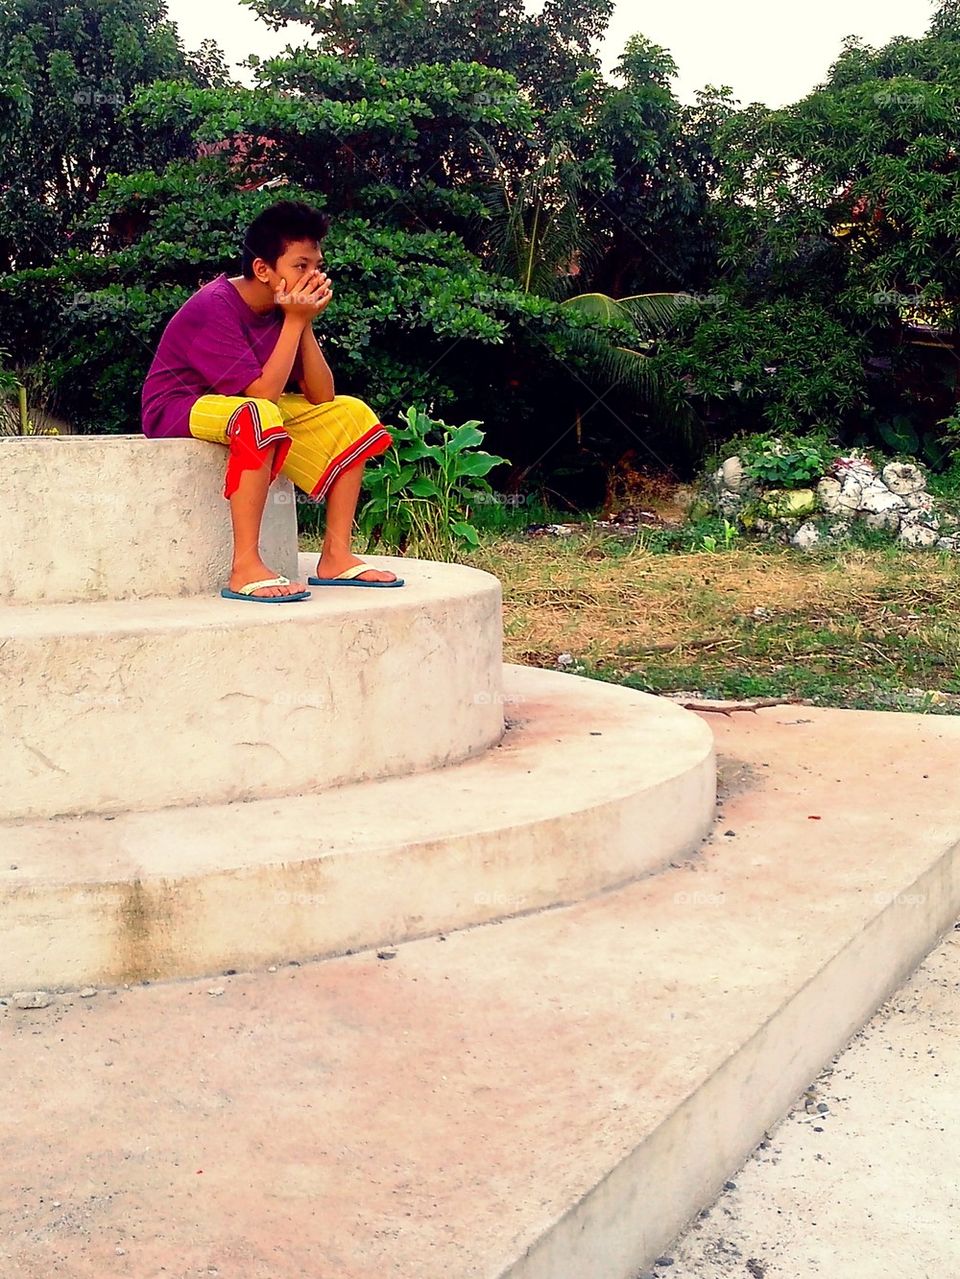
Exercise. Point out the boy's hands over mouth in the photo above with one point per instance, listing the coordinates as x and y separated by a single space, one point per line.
310 295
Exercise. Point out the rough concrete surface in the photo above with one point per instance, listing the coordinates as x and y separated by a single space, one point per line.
551 1097
96 517
118 705
179 892
862 1179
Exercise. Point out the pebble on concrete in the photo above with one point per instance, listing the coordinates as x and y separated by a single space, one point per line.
24 999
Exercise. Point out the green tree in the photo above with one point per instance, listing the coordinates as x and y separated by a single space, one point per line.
414 307
545 52
844 205
403 120
70 67
867 162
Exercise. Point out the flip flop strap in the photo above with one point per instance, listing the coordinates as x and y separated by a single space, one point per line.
269 581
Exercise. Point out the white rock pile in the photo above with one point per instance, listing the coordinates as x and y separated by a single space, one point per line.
894 500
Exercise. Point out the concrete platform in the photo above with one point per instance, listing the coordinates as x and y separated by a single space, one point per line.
862 1178
99 517
591 786
136 704
550 1097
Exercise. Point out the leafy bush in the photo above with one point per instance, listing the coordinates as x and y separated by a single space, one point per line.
784 365
784 461
25 400
415 314
776 460
951 434
904 439
420 493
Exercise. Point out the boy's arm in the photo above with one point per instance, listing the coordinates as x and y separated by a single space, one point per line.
299 306
317 381
276 372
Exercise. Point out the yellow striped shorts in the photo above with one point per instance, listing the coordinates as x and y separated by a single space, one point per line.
317 442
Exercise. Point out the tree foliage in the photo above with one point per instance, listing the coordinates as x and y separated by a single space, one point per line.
845 204
579 261
437 301
70 67
545 52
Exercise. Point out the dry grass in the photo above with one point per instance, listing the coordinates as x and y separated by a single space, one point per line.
893 616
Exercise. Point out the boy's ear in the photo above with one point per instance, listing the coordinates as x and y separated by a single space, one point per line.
261 270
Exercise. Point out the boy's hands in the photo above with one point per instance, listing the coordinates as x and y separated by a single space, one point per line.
310 295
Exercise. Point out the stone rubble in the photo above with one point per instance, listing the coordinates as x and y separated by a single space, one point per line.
893 500
25 999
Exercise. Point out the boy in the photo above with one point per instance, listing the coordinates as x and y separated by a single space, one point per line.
222 372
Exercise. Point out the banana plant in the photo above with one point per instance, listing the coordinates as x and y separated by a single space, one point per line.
420 494
538 240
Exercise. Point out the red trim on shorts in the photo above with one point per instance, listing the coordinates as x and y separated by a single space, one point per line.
377 440
248 438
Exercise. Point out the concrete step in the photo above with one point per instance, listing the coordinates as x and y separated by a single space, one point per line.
591 786
101 517
550 1097
860 1179
137 704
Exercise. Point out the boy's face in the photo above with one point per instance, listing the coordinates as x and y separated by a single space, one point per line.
297 258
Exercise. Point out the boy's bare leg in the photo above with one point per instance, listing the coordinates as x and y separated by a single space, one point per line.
247 503
335 555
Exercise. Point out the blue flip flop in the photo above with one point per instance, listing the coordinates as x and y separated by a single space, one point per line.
343 579
246 592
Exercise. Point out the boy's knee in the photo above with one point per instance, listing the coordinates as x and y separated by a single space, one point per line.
350 401
256 426
266 410
255 417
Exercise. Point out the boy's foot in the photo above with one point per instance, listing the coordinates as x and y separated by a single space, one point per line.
333 566
255 571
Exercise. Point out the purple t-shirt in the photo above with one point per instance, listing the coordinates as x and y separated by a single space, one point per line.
215 344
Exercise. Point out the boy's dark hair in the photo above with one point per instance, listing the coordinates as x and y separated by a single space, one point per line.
277 226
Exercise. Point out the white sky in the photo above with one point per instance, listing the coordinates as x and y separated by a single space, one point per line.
768 50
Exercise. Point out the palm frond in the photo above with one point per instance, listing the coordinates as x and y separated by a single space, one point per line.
535 225
635 375
652 314
657 313
597 306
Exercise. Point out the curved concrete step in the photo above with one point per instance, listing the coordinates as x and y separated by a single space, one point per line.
592 785
136 704
98 517
552 1097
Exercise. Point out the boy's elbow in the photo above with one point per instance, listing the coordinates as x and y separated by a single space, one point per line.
257 391
313 397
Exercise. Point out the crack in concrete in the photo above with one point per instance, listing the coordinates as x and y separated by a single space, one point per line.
43 758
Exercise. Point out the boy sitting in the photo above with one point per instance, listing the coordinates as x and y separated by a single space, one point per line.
222 372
